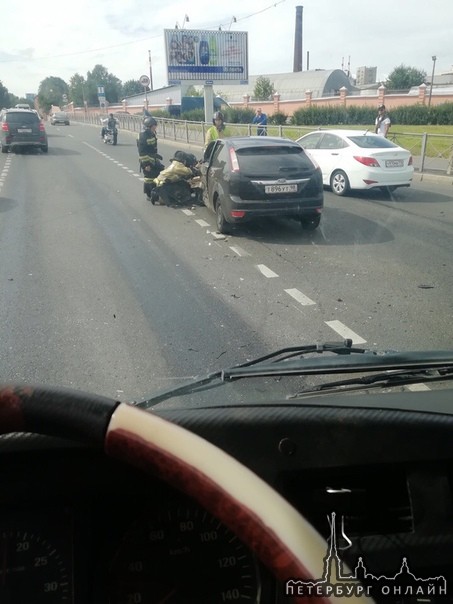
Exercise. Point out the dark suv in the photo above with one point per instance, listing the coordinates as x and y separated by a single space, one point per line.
22 128
258 176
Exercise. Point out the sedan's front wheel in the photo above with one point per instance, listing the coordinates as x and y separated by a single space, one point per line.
339 182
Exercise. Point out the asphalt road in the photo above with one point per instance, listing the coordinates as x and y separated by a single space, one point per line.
103 292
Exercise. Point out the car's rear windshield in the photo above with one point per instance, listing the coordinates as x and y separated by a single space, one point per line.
59 114
268 159
22 118
371 142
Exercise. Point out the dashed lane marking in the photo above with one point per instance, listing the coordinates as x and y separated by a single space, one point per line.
267 272
299 297
417 387
345 332
239 251
202 223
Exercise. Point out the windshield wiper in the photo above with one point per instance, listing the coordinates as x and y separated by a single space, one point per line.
381 380
369 361
281 355
344 359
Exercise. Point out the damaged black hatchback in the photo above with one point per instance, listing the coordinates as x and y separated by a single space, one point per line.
255 176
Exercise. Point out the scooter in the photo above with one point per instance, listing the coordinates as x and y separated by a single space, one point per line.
110 136
181 192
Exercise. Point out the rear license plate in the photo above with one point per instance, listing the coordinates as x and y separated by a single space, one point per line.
28 130
394 163
280 188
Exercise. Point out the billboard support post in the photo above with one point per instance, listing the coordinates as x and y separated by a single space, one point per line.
208 103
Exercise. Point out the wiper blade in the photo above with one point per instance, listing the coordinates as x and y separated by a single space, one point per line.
381 380
369 361
281 355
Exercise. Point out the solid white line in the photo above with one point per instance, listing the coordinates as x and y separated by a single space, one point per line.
202 223
345 332
299 296
267 272
238 250
187 212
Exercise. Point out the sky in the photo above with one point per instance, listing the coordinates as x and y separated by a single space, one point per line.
38 42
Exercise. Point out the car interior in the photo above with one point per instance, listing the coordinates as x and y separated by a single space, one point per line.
78 525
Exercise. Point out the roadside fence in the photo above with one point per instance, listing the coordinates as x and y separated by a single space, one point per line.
432 153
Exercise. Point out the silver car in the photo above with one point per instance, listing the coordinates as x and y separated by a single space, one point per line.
59 117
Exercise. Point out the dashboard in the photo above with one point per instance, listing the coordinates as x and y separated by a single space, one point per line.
78 527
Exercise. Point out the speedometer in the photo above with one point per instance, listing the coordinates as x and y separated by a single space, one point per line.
182 555
32 569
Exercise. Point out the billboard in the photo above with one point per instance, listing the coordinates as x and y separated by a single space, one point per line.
206 57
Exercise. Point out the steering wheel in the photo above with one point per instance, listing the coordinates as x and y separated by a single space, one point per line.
279 536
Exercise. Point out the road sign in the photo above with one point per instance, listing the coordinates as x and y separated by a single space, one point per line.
144 80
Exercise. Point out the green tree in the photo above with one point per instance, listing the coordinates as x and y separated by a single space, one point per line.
264 89
4 96
113 87
77 90
132 87
403 77
192 91
51 91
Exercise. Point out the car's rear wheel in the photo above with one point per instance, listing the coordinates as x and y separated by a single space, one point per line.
4 149
310 223
222 225
45 148
339 183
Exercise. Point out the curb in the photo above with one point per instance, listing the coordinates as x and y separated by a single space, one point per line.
438 178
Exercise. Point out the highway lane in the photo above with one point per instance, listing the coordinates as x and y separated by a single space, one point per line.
102 291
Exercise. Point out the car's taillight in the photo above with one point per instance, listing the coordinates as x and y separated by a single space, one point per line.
5 127
409 163
234 160
367 161
41 127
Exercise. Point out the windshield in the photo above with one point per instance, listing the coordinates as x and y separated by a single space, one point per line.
112 287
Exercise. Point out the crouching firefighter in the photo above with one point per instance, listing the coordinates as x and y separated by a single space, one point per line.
148 156
172 184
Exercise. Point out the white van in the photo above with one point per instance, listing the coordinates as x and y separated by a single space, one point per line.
22 106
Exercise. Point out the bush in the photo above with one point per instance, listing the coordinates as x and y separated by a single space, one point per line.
239 116
406 115
194 115
278 119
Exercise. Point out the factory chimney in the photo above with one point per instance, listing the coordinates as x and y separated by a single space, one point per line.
298 40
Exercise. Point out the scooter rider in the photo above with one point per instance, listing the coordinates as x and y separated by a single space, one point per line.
111 124
148 156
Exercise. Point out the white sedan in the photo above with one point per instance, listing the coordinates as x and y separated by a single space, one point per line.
353 159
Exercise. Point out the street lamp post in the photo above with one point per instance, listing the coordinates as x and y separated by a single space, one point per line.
434 58
150 71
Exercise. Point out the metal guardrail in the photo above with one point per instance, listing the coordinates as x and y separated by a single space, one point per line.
432 153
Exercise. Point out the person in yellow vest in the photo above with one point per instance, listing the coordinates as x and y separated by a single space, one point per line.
218 130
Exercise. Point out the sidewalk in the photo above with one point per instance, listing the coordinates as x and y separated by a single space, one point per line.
434 168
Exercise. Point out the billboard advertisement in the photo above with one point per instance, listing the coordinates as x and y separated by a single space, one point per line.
204 56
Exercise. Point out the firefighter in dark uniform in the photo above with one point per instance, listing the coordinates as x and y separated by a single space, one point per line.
148 157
